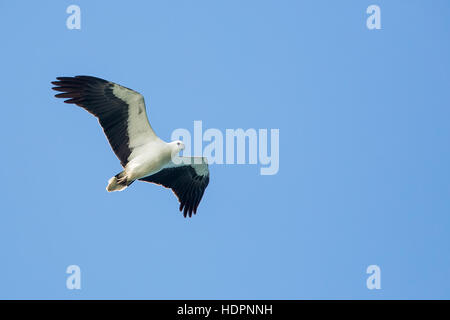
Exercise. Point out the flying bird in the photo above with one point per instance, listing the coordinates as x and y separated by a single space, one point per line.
143 155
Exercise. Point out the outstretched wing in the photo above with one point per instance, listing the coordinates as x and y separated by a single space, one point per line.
187 180
120 111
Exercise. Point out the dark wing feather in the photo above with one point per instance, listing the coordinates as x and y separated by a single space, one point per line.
96 96
187 185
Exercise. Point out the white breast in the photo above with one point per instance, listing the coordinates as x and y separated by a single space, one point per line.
148 159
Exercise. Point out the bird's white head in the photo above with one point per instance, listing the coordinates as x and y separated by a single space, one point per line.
176 146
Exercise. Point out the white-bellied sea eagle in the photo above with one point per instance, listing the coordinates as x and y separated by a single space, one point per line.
143 155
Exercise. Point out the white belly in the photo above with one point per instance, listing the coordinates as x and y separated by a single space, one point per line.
147 160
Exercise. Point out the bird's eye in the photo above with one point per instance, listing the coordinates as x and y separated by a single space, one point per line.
178 143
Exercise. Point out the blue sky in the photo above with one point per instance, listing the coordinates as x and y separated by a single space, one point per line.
364 150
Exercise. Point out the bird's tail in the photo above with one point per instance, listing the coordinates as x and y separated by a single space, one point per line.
118 182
